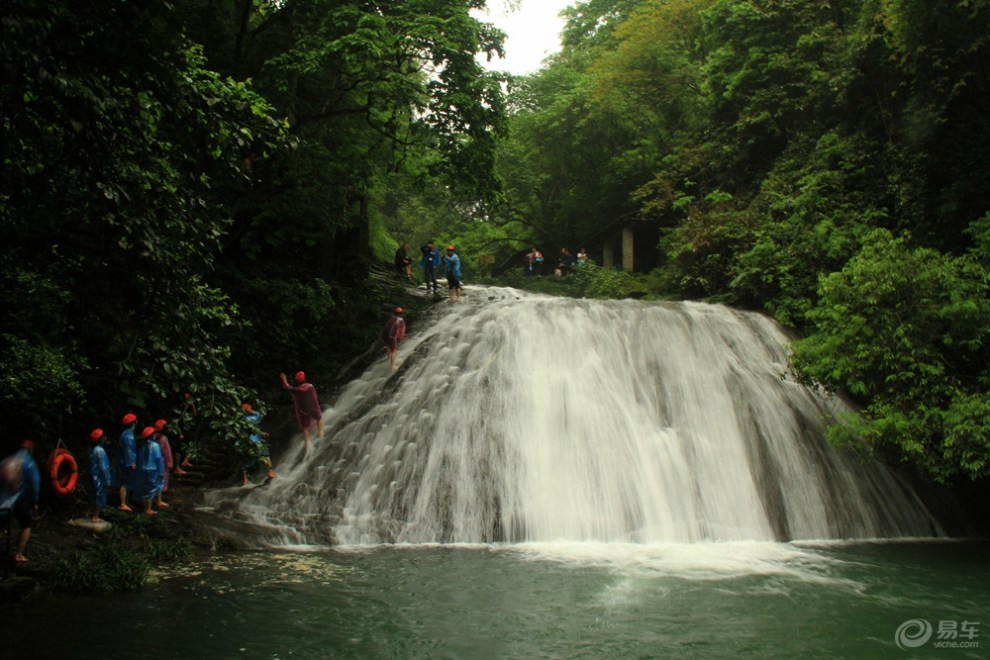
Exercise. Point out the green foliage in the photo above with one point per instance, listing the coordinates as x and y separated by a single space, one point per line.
979 232
777 137
121 151
38 364
700 249
768 63
105 568
394 125
135 530
587 281
603 283
121 559
168 551
930 82
813 210
168 231
905 330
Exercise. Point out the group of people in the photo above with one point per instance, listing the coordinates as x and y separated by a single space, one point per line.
433 262
309 414
139 472
566 262
451 262
141 467
143 461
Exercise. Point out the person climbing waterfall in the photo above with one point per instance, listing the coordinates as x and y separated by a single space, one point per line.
452 265
394 332
258 446
307 405
183 427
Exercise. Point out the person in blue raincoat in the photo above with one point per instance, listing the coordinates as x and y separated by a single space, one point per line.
258 446
429 262
20 487
124 463
452 265
150 474
99 475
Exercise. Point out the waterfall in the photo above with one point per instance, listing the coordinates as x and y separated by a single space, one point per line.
521 417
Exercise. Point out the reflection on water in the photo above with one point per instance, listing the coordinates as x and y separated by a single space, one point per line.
760 599
272 569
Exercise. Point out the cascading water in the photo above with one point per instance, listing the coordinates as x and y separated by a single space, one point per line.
517 417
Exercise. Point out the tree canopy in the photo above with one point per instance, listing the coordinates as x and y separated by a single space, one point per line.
192 195
189 192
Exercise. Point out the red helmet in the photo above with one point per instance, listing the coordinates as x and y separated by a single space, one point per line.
246 406
95 435
147 432
129 418
399 310
160 424
300 376
450 248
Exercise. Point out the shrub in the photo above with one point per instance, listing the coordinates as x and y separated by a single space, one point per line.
108 567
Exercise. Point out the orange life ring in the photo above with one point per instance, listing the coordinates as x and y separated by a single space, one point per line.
63 471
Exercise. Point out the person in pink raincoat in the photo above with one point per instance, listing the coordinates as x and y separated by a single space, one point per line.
163 442
308 411
394 332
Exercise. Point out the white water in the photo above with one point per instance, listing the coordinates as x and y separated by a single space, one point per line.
516 417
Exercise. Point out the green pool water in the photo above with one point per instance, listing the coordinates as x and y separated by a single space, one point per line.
566 600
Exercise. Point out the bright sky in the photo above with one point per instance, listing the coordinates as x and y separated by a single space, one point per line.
533 32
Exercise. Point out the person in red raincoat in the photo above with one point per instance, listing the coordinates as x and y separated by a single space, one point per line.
308 411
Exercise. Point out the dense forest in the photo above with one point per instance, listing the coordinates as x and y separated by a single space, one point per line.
192 195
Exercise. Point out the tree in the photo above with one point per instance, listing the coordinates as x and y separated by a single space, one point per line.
118 146
381 99
906 332
931 63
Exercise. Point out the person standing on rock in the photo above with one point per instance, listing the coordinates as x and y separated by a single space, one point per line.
430 261
403 263
166 449
307 404
99 475
150 472
125 462
452 266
